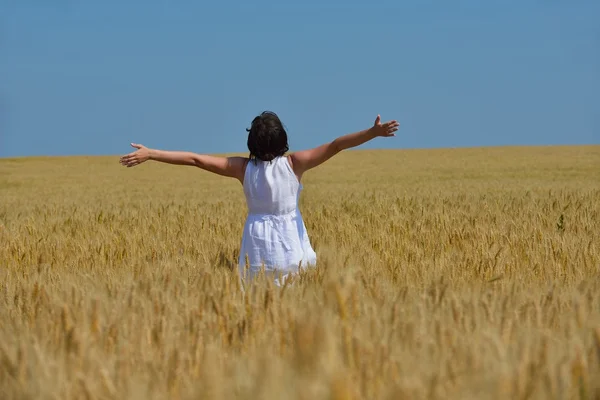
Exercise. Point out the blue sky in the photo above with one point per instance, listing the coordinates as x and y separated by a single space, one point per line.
89 77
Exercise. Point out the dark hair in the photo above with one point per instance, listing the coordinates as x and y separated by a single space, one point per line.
267 138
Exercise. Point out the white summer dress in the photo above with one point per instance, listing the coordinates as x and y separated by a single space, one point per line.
274 234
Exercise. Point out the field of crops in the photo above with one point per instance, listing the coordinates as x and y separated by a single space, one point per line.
443 274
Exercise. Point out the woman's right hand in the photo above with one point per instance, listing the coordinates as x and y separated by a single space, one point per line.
386 129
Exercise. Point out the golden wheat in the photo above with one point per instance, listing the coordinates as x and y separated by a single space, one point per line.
454 274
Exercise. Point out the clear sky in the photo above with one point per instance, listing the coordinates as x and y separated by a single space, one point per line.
83 77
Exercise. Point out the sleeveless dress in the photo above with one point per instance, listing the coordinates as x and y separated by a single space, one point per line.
274 233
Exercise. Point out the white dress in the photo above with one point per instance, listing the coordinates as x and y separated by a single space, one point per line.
274 234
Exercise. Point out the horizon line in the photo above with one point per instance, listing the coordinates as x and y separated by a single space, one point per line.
347 150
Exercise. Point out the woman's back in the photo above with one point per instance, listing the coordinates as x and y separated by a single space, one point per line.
271 188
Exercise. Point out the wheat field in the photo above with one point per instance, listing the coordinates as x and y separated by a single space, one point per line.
442 274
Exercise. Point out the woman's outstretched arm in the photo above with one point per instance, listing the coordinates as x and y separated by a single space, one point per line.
304 160
226 166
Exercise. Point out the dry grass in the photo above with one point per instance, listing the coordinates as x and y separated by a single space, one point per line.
454 274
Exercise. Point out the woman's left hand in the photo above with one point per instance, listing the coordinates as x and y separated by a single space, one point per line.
139 156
